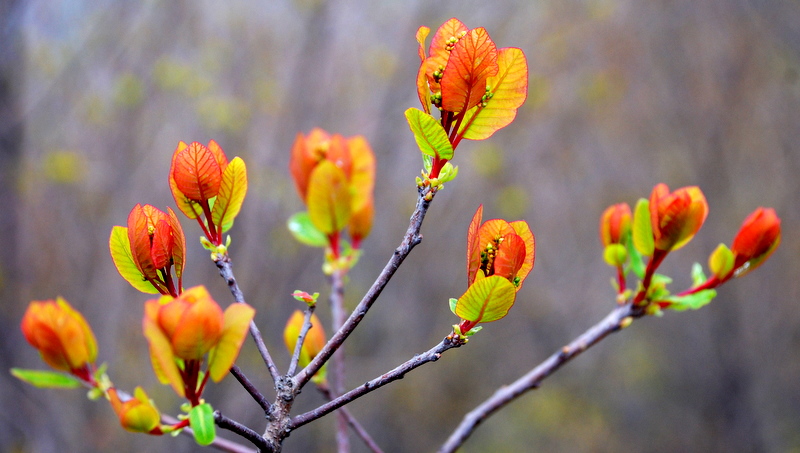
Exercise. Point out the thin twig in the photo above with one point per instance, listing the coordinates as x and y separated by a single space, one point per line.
251 389
219 443
225 267
337 363
242 430
410 240
613 322
301 338
431 355
360 431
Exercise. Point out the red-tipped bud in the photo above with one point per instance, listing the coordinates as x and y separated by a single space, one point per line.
676 216
61 334
758 237
615 224
136 414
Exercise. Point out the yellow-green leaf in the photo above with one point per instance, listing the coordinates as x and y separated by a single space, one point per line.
122 256
507 92
231 194
328 198
430 135
642 229
46 379
234 331
303 230
486 300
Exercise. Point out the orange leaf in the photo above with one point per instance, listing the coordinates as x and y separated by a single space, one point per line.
161 250
510 257
422 34
328 198
524 231
471 62
507 92
442 42
219 155
139 238
473 246
184 204
362 178
197 172
179 245
423 91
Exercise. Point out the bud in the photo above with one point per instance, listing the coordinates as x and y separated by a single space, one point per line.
192 322
61 334
758 237
136 414
157 242
720 262
676 217
615 224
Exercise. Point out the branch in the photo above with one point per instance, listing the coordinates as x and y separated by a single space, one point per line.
410 240
219 443
251 389
619 318
225 267
360 431
301 338
337 365
431 355
236 427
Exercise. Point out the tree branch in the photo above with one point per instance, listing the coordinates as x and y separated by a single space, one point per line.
238 428
360 431
619 318
219 443
301 338
251 389
225 267
410 240
337 363
431 355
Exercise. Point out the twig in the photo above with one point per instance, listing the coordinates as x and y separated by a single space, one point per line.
410 240
613 322
301 338
238 428
337 363
219 443
431 355
360 431
225 267
251 389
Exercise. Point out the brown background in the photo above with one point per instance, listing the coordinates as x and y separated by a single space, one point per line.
623 94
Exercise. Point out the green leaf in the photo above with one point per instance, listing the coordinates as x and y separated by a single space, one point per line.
201 420
427 163
642 229
122 256
636 263
692 301
429 134
658 287
46 379
487 300
453 303
304 231
231 194
698 277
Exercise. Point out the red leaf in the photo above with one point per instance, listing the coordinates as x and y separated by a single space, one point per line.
197 172
471 62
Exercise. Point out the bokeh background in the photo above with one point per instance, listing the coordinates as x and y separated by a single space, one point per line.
94 96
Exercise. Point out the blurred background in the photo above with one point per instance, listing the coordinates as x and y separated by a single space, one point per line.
95 95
